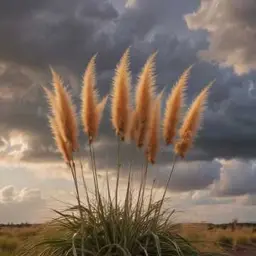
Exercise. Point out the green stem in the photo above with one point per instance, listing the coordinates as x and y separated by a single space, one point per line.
151 195
108 190
126 203
94 173
167 184
95 170
144 183
118 170
84 183
139 195
74 174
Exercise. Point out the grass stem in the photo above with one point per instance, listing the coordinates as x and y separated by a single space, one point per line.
118 170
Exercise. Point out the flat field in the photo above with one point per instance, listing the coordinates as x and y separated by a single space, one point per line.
240 241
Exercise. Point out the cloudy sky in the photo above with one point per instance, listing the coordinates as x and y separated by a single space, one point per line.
217 180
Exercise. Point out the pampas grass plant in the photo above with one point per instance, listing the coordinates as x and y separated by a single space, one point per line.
134 226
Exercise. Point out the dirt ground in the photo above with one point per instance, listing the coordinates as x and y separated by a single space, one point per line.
249 251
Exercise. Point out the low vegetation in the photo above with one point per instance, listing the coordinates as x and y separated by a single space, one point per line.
216 239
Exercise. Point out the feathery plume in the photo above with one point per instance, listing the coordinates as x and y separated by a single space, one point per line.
120 108
144 97
192 122
91 110
134 125
173 108
63 147
51 100
153 142
65 115
100 108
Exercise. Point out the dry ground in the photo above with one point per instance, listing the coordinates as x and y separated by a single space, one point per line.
221 238
240 242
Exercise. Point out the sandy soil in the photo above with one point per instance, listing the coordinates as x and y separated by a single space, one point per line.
249 251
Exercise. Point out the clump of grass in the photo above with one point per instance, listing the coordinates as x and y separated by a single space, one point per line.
242 240
8 244
226 241
97 226
253 239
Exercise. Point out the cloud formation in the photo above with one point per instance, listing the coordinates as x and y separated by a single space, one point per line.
236 178
66 34
13 201
231 27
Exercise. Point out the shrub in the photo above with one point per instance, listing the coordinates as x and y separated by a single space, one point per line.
225 241
8 244
242 240
253 239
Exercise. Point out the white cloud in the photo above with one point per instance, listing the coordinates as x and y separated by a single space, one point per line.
130 3
24 205
231 28
237 178
15 146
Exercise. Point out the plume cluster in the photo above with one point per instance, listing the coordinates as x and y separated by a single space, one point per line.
141 124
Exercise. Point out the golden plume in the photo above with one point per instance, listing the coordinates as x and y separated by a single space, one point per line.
153 140
191 123
134 125
120 108
51 100
174 106
65 115
144 97
91 110
64 148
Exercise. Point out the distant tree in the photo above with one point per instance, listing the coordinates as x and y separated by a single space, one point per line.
234 224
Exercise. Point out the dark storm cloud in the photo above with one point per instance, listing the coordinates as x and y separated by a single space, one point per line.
52 32
66 34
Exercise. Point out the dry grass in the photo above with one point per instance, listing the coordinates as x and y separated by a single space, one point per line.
11 238
219 239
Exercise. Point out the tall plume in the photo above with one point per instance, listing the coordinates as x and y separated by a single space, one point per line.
65 116
144 99
91 110
120 108
51 100
63 147
134 125
153 140
173 108
192 122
